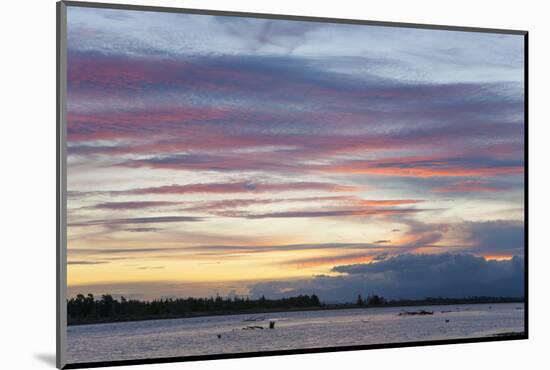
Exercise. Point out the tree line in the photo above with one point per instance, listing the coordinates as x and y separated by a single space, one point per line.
88 309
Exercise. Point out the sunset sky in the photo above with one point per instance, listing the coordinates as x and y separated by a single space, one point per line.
227 155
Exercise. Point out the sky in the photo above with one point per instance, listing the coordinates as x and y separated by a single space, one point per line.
238 156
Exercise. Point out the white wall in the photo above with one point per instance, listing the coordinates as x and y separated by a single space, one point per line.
28 182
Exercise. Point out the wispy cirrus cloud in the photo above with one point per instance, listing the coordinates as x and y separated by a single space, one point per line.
220 250
225 188
136 220
331 213
143 229
132 205
222 205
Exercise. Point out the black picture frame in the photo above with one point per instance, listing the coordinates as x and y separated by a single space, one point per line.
61 185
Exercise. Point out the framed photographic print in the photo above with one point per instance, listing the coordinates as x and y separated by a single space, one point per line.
235 184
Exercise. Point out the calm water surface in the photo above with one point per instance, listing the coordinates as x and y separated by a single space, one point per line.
293 330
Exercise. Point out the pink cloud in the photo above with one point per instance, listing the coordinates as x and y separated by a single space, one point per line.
238 187
470 186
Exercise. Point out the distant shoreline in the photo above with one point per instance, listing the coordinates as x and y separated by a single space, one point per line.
326 307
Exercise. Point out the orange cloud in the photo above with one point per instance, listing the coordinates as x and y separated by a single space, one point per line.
426 167
331 260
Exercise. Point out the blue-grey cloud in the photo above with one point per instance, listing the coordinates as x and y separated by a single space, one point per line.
497 237
410 276
426 54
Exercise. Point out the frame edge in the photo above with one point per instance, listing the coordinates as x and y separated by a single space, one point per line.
61 185
526 180
289 17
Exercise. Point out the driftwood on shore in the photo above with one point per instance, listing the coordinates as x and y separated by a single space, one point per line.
412 313
254 318
252 327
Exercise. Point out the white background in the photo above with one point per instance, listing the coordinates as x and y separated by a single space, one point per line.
27 180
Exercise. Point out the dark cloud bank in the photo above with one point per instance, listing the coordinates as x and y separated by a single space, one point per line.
412 276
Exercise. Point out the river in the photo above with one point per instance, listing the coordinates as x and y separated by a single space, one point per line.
293 330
